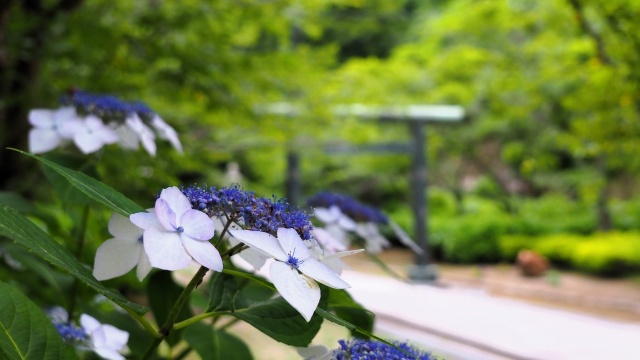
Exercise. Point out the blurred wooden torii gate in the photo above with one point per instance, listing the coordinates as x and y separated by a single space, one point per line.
416 117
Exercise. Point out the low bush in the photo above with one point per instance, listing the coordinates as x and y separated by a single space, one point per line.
604 254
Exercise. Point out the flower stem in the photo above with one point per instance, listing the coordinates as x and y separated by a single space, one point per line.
173 315
192 320
145 324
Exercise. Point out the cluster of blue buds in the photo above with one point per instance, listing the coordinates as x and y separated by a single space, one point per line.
70 333
349 206
253 212
106 107
358 349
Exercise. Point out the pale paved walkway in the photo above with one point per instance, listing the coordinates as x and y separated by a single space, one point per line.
462 321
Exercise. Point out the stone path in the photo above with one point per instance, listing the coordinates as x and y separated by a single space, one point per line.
470 324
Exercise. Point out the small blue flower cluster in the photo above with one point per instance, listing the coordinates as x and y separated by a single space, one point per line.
349 206
358 349
106 107
71 333
255 213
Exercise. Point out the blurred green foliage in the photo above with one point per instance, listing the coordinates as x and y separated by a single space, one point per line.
550 88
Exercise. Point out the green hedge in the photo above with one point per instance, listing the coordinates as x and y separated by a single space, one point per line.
605 254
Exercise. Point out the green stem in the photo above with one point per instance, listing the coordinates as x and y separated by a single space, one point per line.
80 246
195 319
224 230
173 315
145 324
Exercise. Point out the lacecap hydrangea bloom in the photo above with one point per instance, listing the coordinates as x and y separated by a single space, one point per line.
91 121
275 231
358 349
342 215
105 340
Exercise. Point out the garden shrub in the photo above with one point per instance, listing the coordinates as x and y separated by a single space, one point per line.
604 254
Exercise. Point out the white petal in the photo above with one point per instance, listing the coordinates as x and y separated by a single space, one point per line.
144 265
327 240
89 323
335 264
203 252
264 242
176 199
116 338
43 140
41 118
166 216
197 225
57 314
255 258
300 291
108 135
69 127
93 123
145 220
344 253
122 227
115 257
165 250
404 238
322 274
149 144
108 354
327 215
87 142
314 352
167 132
292 244
346 223
128 138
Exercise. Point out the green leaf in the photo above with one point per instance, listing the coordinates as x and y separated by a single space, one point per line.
251 277
25 331
18 228
349 310
163 293
93 188
16 201
279 320
215 344
66 191
223 291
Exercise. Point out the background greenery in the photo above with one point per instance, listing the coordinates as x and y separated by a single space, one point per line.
551 90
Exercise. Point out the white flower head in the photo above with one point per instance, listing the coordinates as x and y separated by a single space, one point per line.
294 271
375 242
115 257
328 241
92 134
333 215
51 127
142 133
180 235
106 340
166 132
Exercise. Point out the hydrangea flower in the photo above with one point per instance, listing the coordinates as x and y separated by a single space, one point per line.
342 214
117 256
105 340
92 134
92 121
359 349
175 234
51 128
248 210
295 271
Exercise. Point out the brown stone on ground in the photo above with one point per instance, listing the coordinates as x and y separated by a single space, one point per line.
531 263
